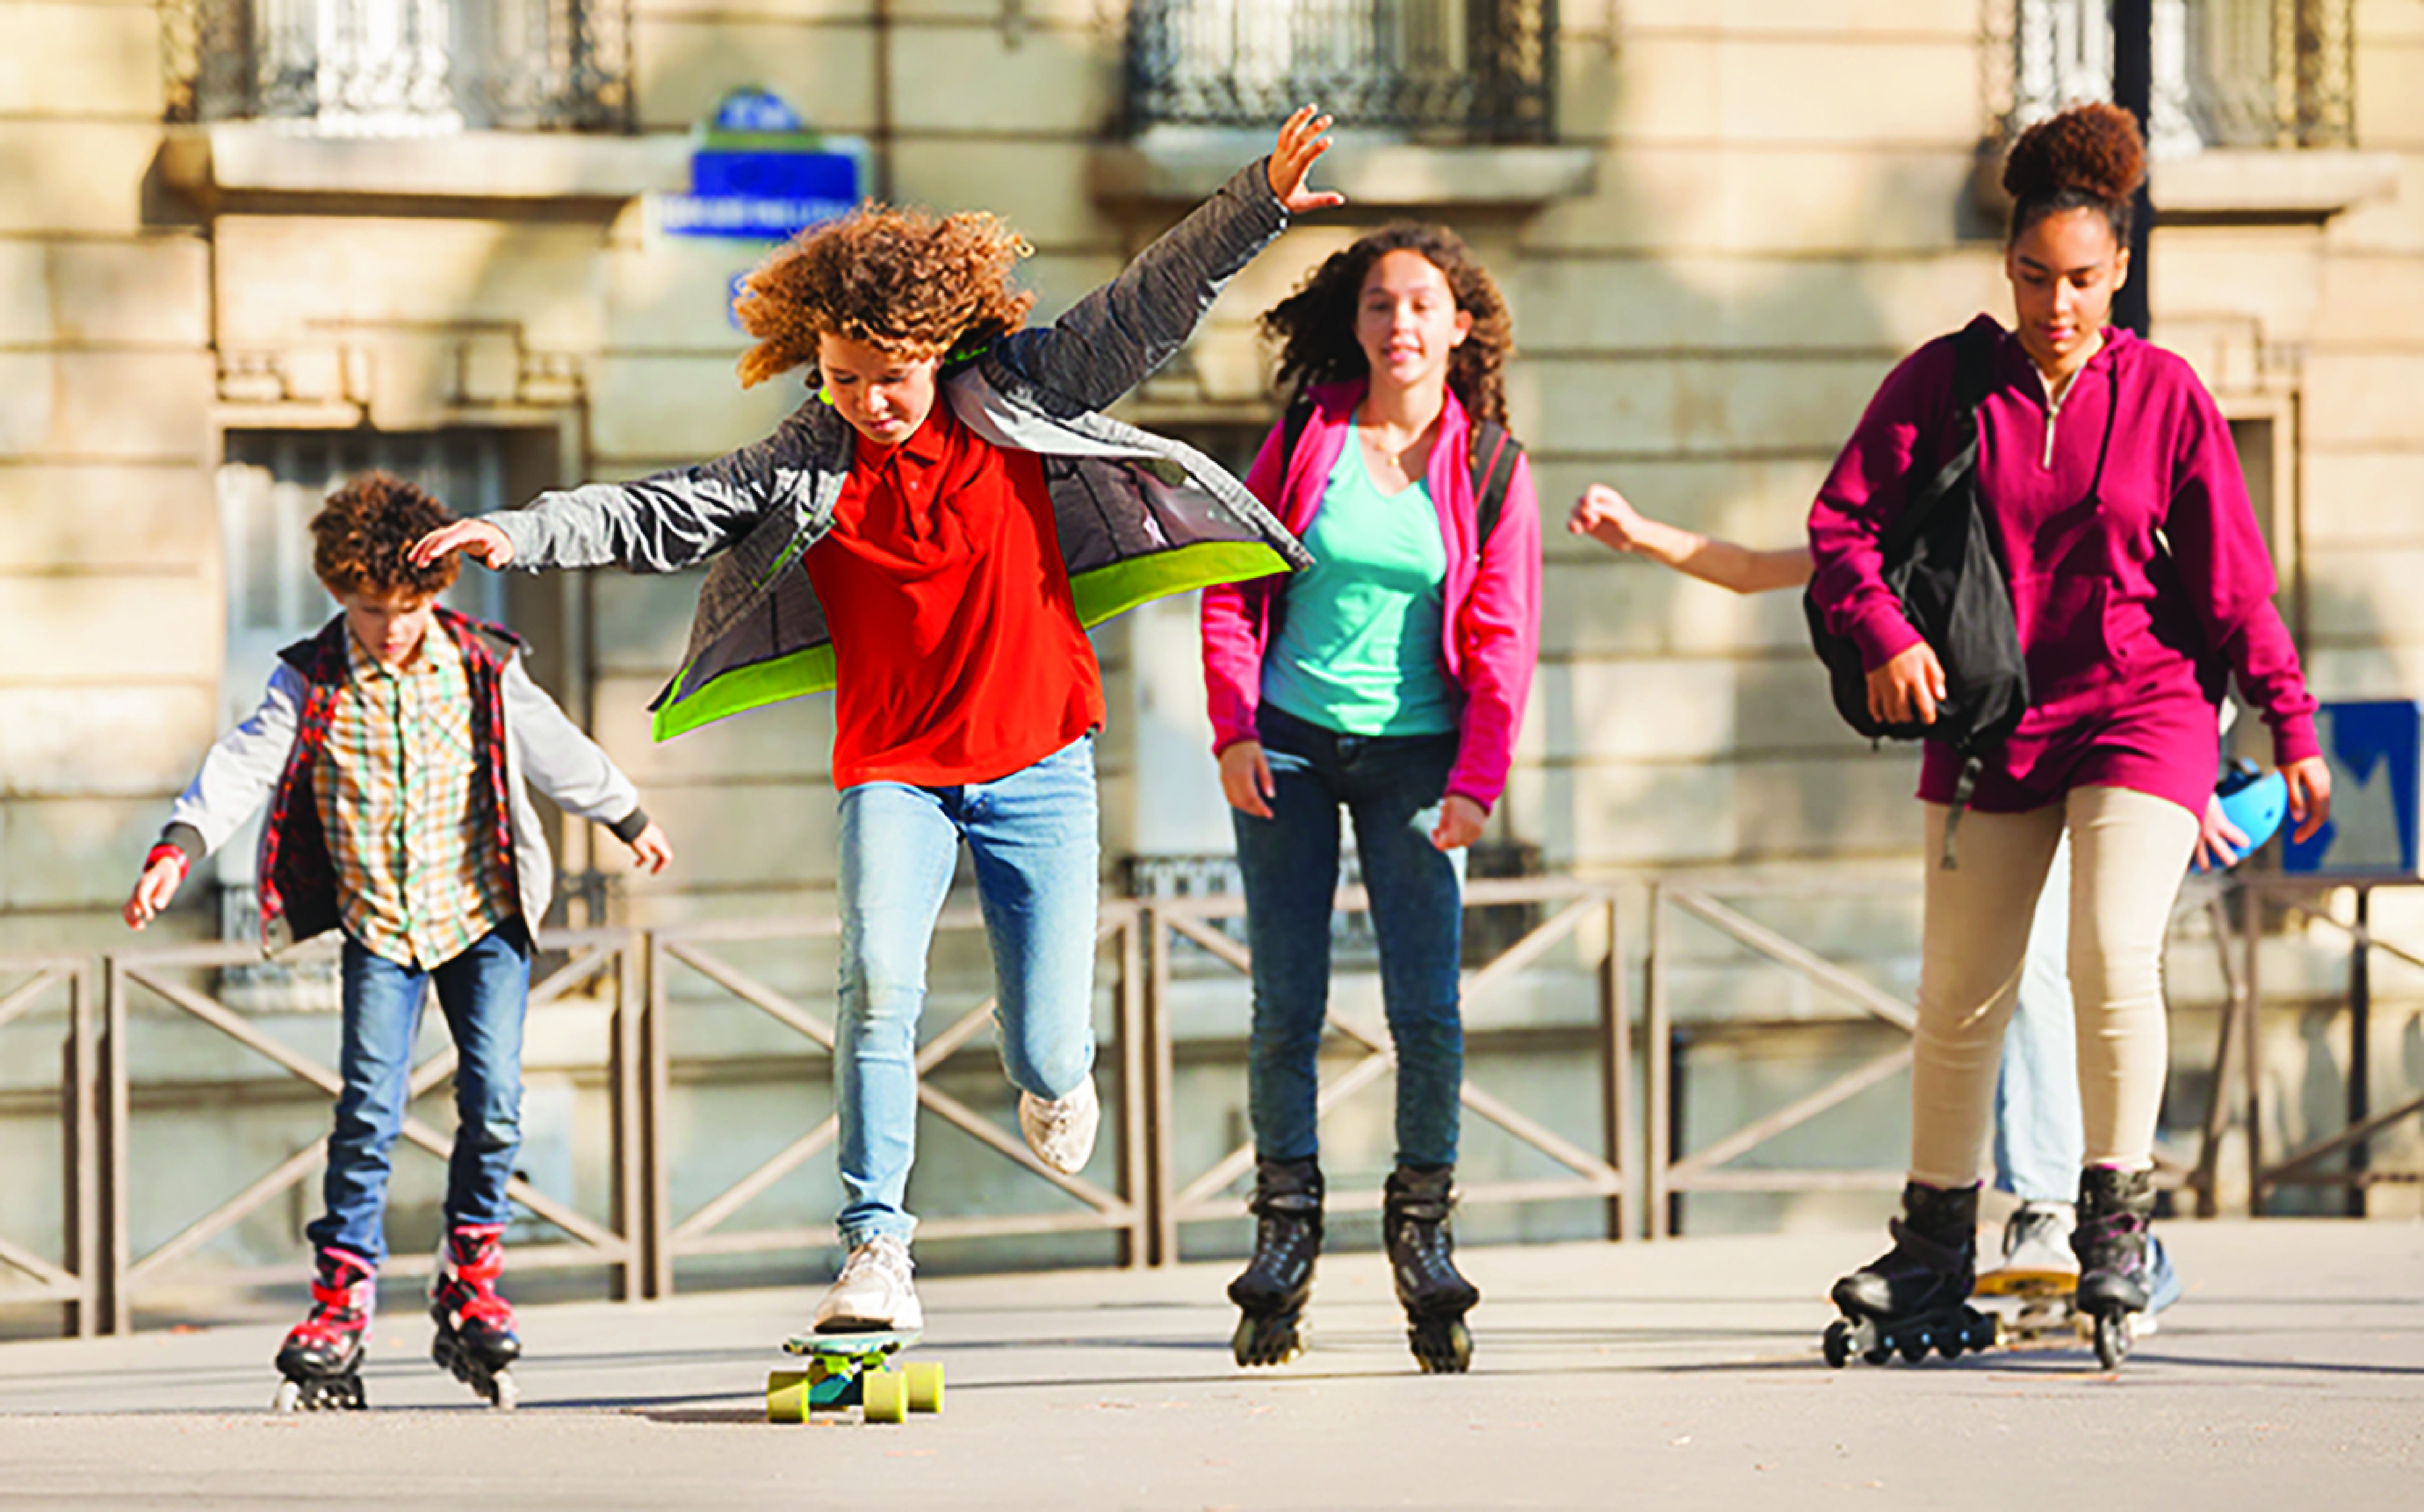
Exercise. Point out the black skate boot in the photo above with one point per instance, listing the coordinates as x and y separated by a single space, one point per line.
1422 1257
475 1336
322 1358
1270 1292
1915 1296
2117 1209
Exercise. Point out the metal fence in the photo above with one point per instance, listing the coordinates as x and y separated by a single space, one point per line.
1474 69
401 68
644 983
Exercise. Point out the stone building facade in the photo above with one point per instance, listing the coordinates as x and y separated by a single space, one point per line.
1733 217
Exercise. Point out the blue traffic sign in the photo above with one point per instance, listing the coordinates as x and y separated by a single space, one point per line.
2375 751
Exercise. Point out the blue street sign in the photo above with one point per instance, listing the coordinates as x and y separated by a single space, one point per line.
2376 752
757 174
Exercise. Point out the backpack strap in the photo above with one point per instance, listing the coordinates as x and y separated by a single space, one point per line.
1298 415
1973 375
1492 455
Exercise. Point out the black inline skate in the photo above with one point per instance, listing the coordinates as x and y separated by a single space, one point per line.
322 1358
1270 1292
1915 1296
475 1339
2117 1209
1422 1257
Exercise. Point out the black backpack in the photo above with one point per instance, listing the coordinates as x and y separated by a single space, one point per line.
1941 563
1491 454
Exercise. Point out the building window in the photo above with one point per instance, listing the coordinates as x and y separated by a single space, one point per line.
401 68
1458 70
2228 73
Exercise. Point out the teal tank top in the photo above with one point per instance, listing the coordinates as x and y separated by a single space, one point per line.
1360 650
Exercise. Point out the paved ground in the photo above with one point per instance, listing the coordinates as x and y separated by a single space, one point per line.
1677 1374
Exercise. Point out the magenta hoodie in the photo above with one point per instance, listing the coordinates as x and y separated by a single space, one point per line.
2139 576
1492 607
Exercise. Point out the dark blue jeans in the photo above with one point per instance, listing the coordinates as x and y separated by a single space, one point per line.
1391 788
482 992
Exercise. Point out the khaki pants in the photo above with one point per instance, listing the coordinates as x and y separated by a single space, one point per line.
2129 852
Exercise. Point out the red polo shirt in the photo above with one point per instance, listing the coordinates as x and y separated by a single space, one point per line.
957 653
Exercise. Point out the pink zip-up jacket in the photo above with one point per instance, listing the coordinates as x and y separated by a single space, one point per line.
2139 575
1491 598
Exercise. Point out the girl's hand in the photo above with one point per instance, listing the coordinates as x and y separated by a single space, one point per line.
2221 845
650 851
1459 823
153 891
475 539
1908 687
1300 142
1246 779
2310 795
1604 515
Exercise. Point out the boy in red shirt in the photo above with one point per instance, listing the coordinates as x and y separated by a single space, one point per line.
959 510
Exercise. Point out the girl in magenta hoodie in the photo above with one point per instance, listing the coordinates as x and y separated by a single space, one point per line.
2141 583
1389 679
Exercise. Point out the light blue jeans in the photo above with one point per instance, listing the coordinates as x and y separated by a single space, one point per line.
1036 839
484 993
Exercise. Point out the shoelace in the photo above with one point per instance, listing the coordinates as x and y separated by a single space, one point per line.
886 1260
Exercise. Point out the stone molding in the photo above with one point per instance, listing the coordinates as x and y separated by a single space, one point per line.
1186 163
257 158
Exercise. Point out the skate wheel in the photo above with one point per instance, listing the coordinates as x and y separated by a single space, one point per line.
1272 1341
289 1397
2111 1338
504 1393
1985 1331
1837 1344
925 1380
884 1395
1953 1343
1442 1347
786 1397
1914 1346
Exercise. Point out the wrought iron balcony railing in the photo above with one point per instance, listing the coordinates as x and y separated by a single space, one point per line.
401 68
2227 72
1464 69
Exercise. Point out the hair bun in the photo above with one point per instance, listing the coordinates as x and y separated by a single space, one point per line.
2091 149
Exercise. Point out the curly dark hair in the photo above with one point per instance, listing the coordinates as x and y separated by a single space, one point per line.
361 534
1315 326
2089 157
904 281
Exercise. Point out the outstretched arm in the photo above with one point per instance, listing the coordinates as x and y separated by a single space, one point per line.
1116 337
1604 515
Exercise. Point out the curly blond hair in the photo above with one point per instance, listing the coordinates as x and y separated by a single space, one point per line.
904 281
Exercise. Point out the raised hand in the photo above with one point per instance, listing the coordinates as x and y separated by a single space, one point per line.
475 539
1300 143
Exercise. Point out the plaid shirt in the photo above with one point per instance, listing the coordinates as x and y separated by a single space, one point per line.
399 785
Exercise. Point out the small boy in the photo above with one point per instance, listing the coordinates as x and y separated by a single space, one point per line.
392 760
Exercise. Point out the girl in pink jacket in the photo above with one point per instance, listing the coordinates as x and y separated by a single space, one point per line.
1388 680
2140 583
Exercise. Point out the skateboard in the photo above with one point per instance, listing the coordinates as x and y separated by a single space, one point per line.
2049 1309
847 1370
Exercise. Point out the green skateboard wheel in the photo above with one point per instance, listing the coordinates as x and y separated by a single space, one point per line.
925 1378
786 1397
884 1395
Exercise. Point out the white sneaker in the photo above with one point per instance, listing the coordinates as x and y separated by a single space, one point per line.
1061 1133
2036 1240
873 1291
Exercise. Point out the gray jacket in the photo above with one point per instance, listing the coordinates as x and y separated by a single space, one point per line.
1139 516
268 760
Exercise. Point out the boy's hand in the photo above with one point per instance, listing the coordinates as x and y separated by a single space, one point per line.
650 851
475 539
2310 796
159 882
1604 515
1300 142
2221 845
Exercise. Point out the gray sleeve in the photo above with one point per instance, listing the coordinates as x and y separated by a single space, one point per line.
567 764
241 770
664 522
1114 338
